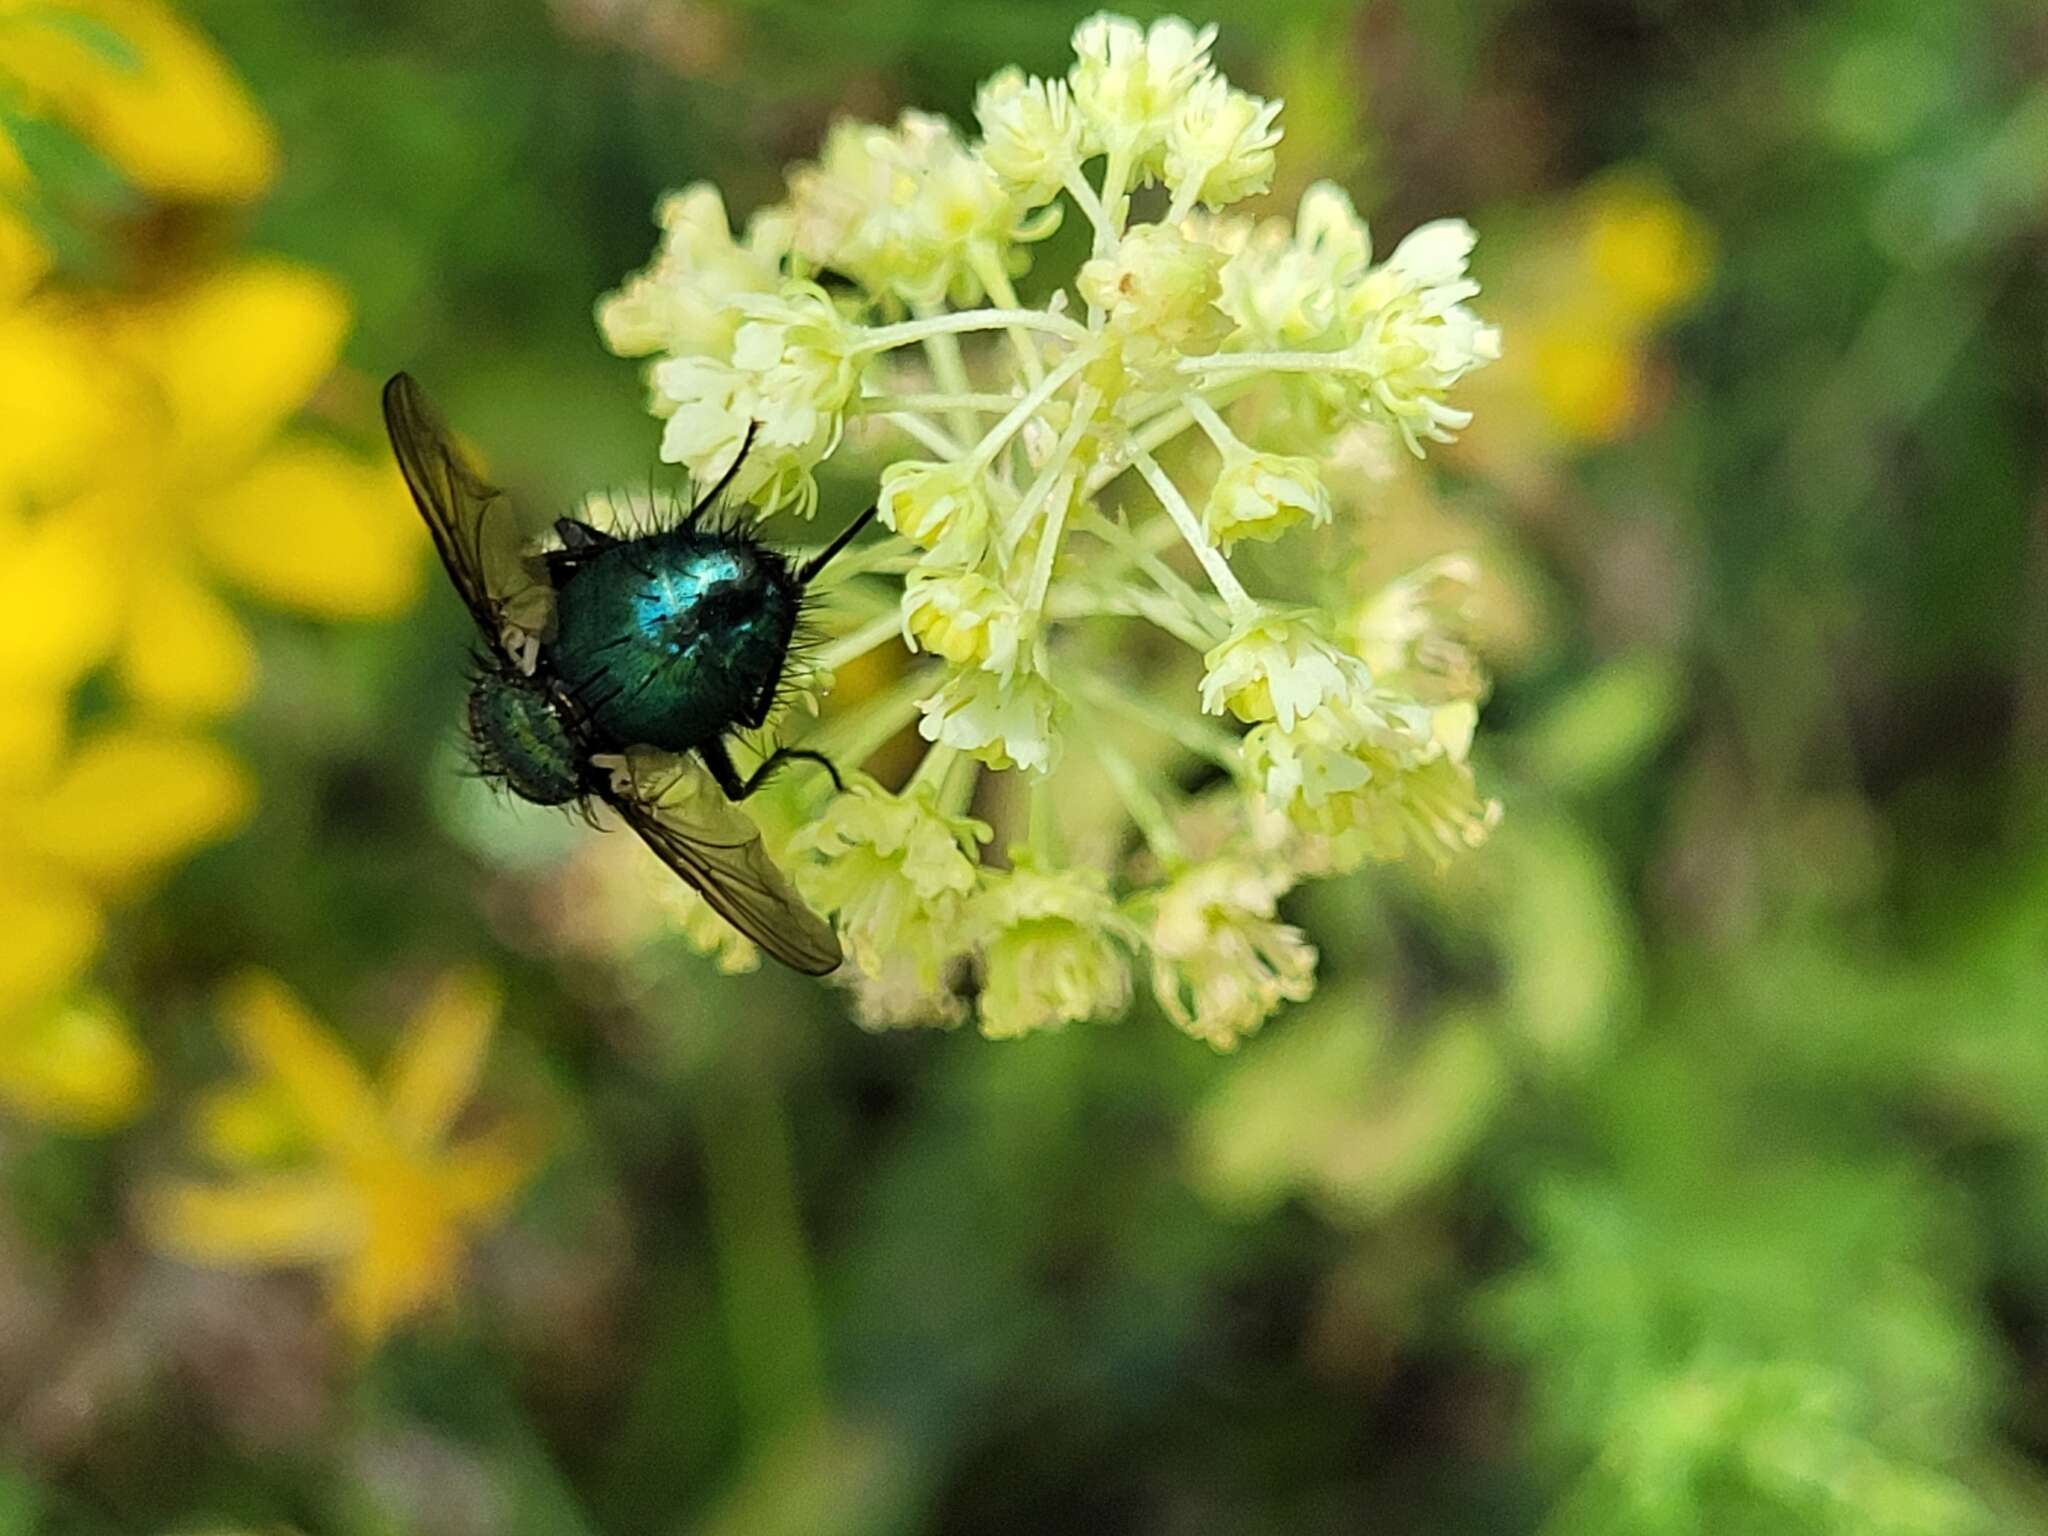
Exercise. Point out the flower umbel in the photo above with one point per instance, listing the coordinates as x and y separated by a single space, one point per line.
1276 667
1222 962
1052 949
898 873
1070 486
1377 779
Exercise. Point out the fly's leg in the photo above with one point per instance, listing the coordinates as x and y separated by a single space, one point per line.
719 762
755 715
725 480
810 568
781 757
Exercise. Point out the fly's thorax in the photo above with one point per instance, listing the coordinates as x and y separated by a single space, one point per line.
668 641
520 737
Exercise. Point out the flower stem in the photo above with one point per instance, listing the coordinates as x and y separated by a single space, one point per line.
956 789
1184 200
850 647
1049 544
950 369
1206 417
1277 362
1050 473
882 338
1166 426
1133 548
997 282
1023 410
1147 810
933 767
1078 602
930 400
767 1283
1116 205
931 436
1085 199
1190 732
1228 587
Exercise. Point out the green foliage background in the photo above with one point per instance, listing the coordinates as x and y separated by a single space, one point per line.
1683 1169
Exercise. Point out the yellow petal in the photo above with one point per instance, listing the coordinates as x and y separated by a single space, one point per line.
174 119
278 1037
131 800
60 600
53 397
185 653
23 257
313 528
408 1260
76 1065
248 1125
237 354
434 1070
482 1177
279 1218
52 931
32 731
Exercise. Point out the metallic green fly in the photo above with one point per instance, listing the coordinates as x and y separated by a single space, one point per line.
610 658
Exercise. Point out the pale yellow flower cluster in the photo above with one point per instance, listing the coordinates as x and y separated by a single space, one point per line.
1078 476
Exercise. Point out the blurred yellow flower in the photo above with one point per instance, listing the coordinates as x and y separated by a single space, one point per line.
146 450
74 1064
23 256
61 419
150 433
61 620
1587 376
210 480
77 833
380 1196
154 98
126 802
1648 253
1584 301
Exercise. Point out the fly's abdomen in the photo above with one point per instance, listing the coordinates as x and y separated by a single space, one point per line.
668 641
520 737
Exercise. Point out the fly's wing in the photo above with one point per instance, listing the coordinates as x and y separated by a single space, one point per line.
506 591
699 834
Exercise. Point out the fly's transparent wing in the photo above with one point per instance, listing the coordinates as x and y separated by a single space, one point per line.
506 590
700 835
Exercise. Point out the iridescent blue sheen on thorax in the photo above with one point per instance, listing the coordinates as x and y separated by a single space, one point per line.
668 641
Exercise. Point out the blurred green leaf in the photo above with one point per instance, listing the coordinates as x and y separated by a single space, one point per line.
1605 727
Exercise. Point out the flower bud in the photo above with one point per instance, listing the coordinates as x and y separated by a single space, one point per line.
1262 495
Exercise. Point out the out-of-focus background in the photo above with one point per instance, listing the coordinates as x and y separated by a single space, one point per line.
1677 1165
